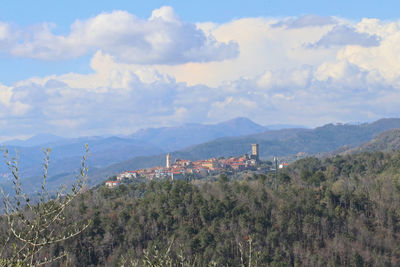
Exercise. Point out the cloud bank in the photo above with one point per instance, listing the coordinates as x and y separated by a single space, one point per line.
161 39
162 71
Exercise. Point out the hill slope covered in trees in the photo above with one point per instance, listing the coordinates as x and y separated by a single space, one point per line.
386 141
338 211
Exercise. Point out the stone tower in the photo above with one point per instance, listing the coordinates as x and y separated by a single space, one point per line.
168 163
254 151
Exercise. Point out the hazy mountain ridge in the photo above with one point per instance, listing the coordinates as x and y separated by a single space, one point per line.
386 141
291 141
67 152
112 155
284 142
36 140
174 138
65 158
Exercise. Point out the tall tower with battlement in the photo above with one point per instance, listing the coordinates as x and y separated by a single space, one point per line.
254 151
168 163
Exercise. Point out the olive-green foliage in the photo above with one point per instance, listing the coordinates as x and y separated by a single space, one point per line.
339 211
31 227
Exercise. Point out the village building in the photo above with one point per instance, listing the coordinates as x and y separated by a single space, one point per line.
283 165
177 176
127 175
112 184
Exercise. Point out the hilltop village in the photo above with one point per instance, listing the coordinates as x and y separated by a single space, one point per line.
183 168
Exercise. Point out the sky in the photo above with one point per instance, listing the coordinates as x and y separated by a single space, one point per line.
74 68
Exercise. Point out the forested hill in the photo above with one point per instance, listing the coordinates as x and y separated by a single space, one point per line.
272 143
339 211
386 141
291 141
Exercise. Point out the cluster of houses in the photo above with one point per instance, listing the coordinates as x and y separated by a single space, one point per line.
182 168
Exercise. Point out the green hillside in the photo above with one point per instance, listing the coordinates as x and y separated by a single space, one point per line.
386 141
285 142
339 211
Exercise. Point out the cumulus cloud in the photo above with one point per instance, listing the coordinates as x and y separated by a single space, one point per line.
285 79
342 35
5 94
305 21
382 59
274 79
53 105
330 92
161 39
4 31
7 36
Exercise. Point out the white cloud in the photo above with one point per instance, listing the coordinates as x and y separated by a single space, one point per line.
383 58
275 78
5 94
262 47
306 21
19 108
342 35
285 79
4 31
162 39
165 13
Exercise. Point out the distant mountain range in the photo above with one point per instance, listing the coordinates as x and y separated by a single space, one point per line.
147 148
272 143
66 155
36 140
291 141
67 152
166 138
174 138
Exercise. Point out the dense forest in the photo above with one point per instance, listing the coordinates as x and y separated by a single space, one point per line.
385 141
337 211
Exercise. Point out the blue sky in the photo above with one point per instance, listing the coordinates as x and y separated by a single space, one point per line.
112 67
65 12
